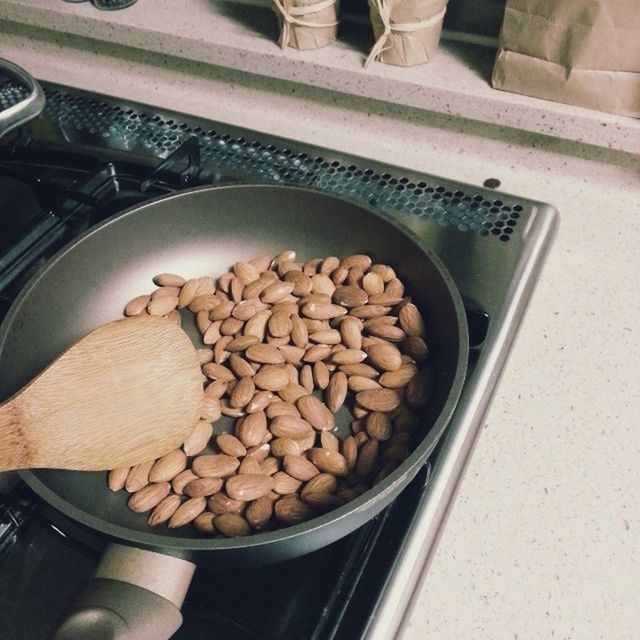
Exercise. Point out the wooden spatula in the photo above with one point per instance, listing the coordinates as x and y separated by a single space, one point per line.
128 392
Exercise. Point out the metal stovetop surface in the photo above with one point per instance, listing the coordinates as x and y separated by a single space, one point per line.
493 245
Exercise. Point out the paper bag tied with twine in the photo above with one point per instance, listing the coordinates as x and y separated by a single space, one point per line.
579 52
407 32
307 24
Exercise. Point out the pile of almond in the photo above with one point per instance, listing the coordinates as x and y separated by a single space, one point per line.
286 345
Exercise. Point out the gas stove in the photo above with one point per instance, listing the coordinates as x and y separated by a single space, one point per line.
87 157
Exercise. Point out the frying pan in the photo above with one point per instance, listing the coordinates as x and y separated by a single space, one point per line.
145 572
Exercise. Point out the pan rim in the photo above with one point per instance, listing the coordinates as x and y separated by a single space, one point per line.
179 546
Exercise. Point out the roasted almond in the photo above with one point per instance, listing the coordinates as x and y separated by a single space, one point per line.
187 511
148 497
299 467
271 377
232 525
384 356
198 439
221 503
259 512
118 477
291 510
205 523
419 389
164 510
264 354
378 425
336 391
378 399
252 429
288 426
415 347
317 414
248 486
215 466
203 487
283 483
328 461
322 311
182 480
168 466
137 305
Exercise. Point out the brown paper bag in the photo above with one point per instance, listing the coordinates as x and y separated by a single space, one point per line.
307 24
580 52
407 32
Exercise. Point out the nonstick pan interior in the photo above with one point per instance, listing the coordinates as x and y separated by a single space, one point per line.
200 232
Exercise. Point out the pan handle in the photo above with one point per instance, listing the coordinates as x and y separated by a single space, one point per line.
26 109
134 594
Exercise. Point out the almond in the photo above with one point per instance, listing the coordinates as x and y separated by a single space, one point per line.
317 352
394 288
306 378
350 296
187 511
259 512
227 410
367 461
283 483
339 275
317 414
384 356
203 487
241 343
328 461
299 467
329 265
359 261
211 409
373 283
302 283
205 523
241 367
168 466
287 426
378 425
291 354
351 332
276 291
164 510
148 497
322 483
246 272
264 354
360 369
248 486
198 439
216 389
388 332
399 378
396 453
336 391
321 501
231 445
322 311
215 466
249 465
261 263
291 510
204 355
242 392
328 336
204 323
257 325
221 503
230 327
360 383
232 525
137 305
415 347
236 289
252 429
188 292
329 441
269 466
162 306
349 356
419 389
321 284
281 447
206 286
321 375
299 332
411 320
182 480
281 408
217 372
259 402
292 392
271 377
280 324
378 399
117 478
220 354
369 311
350 451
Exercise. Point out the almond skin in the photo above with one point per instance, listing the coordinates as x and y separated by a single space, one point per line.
248 486
317 414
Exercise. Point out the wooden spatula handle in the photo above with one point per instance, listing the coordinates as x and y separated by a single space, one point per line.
14 448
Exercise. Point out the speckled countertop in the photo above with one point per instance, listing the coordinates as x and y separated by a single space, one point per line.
544 539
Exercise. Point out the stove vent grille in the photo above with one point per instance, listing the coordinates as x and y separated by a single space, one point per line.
119 127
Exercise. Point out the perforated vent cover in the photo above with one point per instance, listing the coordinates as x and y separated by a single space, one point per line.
252 160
